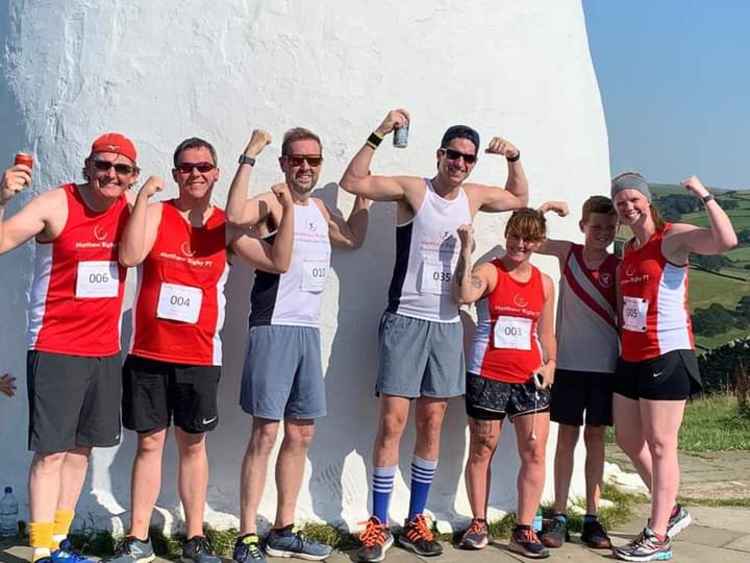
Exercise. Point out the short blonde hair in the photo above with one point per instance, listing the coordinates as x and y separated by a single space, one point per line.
528 224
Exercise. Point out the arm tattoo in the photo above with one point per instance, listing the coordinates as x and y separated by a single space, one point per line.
476 283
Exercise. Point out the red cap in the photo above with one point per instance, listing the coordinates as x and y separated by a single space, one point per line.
116 143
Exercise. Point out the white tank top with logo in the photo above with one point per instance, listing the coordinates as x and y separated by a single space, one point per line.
293 298
427 250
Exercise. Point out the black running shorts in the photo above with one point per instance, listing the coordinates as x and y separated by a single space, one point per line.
487 399
577 392
673 376
74 401
154 393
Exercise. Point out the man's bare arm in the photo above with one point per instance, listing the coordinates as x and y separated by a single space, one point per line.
241 210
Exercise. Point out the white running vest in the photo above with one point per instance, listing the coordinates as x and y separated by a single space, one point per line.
293 298
427 250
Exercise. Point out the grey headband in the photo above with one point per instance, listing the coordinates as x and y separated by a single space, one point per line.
630 181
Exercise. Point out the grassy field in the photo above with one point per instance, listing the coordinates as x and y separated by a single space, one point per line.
711 424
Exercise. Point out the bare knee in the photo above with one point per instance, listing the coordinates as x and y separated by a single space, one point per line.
191 445
150 443
484 435
533 454
429 423
593 437
299 436
567 437
661 447
263 437
630 442
48 463
392 426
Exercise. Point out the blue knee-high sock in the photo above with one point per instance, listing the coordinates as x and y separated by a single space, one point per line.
422 472
382 487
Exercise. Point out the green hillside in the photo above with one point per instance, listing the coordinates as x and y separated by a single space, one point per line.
720 286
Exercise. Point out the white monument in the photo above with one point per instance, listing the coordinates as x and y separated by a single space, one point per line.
162 71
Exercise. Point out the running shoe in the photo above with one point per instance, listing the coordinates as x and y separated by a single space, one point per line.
477 536
418 537
66 554
556 532
284 543
646 547
132 550
376 540
247 550
678 521
198 550
525 542
595 536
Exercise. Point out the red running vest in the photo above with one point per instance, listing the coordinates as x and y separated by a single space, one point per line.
655 316
505 345
179 304
75 303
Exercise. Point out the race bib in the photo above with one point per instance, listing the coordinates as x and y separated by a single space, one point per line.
513 332
97 278
634 311
436 278
314 275
179 303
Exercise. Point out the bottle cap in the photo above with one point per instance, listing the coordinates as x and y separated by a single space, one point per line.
8 490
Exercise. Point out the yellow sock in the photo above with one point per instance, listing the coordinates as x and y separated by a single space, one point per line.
63 520
40 539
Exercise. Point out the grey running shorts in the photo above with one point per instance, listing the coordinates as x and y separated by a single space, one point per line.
283 375
420 358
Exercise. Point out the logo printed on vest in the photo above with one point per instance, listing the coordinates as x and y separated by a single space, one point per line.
519 301
311 226
99 233
605 280
630 271
186 250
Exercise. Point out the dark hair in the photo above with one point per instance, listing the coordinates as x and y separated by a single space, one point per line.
597 204
194 143
528 224
460 132
298 134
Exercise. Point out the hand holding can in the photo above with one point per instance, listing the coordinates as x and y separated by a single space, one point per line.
401 136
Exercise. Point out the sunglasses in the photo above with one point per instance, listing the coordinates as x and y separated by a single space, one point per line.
122 169
202 167
452 154
298 159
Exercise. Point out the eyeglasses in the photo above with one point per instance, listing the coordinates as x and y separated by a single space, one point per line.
202 167
298 159
452 154
122 169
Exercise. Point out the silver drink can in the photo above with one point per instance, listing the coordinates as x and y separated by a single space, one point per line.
401 137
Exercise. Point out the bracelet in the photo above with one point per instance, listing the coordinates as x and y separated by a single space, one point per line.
374 140
707 198
515 158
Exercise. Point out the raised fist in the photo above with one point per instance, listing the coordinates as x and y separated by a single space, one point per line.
258 141
503 147
282 193
466 236
153 184
8 385
14 179
395 119
695 186
559 207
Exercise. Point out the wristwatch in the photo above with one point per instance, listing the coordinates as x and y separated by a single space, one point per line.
707 198
244 159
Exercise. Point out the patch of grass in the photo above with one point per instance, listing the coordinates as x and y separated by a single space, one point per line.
715 423
330 535
727 502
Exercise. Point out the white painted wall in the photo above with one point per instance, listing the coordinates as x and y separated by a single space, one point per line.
162 71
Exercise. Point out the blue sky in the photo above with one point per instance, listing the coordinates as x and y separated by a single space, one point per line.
674 77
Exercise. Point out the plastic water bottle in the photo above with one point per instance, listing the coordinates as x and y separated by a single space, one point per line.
8 514
537 523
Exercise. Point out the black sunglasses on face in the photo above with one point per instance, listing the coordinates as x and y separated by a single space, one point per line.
298 159
202 167
452 154
122 169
